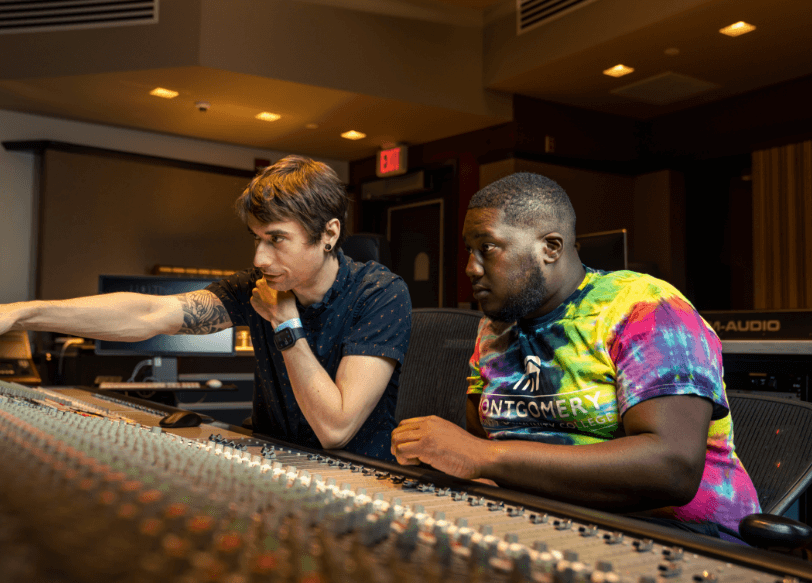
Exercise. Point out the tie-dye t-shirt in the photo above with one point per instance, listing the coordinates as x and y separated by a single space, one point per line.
619 339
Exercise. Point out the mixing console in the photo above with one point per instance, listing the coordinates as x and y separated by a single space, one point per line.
91 489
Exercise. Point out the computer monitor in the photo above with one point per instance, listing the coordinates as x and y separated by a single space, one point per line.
217 344
606 250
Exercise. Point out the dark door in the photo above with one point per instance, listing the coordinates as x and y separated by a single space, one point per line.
415 233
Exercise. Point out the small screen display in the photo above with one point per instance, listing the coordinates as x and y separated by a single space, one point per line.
606 251
218 344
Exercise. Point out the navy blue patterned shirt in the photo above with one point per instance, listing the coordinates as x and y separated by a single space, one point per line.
367 311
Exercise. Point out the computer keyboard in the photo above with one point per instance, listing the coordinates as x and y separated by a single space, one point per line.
150 386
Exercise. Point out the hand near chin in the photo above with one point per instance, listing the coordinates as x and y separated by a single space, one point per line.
274 306
441 444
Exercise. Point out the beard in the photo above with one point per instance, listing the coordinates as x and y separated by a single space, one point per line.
528 299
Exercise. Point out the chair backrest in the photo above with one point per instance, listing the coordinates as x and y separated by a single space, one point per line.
365 247
433 379
772 437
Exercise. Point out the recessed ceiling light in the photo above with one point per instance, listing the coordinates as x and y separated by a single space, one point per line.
165 93
267 116
618 71
737 29
353 135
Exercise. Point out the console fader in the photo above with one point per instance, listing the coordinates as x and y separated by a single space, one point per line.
91 489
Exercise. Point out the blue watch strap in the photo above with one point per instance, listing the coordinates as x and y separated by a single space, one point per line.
292 323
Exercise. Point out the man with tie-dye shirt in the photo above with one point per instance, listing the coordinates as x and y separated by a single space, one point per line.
619 364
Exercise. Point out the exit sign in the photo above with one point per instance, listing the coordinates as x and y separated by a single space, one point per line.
391 162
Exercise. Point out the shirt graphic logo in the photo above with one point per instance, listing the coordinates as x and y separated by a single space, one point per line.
530 378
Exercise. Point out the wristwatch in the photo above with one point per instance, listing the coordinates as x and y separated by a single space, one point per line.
285 337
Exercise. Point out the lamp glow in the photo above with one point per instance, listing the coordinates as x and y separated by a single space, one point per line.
165 93
618 71
267 116
737 29
353 135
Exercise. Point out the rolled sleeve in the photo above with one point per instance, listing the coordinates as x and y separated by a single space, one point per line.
234 292
665 348
475 383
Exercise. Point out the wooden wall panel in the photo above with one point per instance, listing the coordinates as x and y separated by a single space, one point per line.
782 227
806 191
122 216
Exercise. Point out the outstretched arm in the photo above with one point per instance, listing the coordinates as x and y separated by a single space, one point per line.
203 313
658 463
120 316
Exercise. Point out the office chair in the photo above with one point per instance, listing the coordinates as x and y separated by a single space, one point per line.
432 381
772 441
365 247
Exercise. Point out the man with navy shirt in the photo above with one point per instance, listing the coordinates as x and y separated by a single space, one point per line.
330 334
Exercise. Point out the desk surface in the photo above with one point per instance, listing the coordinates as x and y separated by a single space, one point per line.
363 514
778 347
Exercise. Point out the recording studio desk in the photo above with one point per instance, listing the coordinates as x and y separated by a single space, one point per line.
91 488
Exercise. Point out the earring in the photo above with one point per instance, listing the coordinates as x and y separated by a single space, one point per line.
328 247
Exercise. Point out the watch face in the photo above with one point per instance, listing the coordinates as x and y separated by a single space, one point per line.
287 337
283 339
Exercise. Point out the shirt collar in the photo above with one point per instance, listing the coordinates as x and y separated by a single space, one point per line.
338 285
560 310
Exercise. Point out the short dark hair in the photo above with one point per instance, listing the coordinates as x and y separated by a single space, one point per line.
529 199
300 189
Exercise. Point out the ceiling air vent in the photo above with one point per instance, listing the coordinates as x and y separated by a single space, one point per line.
665 88
533 13
47 15
411 183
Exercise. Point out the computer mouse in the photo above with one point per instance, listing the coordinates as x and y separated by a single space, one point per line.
181 419
214 384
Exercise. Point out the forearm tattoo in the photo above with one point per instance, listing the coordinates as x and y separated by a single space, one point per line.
203 313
